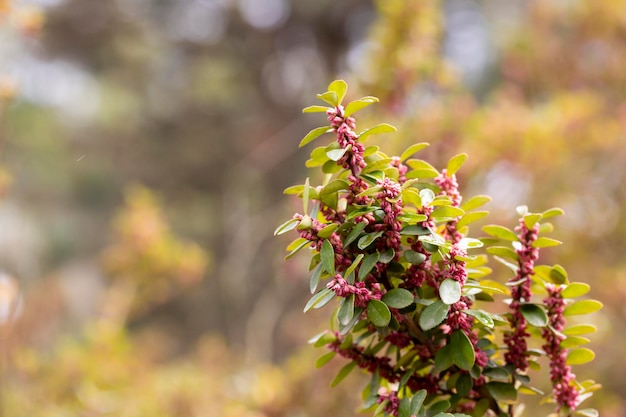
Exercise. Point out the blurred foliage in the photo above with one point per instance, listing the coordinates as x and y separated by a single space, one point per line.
200 101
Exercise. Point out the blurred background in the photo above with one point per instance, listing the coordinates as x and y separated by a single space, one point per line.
145 144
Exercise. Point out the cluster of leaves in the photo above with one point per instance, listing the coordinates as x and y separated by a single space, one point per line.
390 236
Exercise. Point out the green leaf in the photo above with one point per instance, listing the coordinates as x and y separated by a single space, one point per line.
315 278
412 150
353 266
415 230
379 128
417 401
439 407
336 154
573 341
368 239
378 313
414 257
324 359
339 87
387 256
443 359
343 372
285 227
461 350
552 212
296 246
470 243
502 392
503 251
329 97
580 356
545 242
580 329
320 299
587 412
315 109
500 232
582 307
464 385
475 202
433 315
305 196
531 219
327 231
346 310
404 407
322 339
331 167
359 104
314 134
482 316
471 218
534 314
455 163
327 255
558 275
354 233
450 291
398 298
368 263
497 373
344 329
447 212
318 158
575 289
421 169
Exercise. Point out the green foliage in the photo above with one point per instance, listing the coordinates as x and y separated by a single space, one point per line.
392 238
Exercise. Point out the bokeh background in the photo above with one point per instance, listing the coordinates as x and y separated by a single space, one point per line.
145 144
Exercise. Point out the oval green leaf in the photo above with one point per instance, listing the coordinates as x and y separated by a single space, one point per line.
359 104
500 232
314 134
575 289
502 391
580 356
343 372
346 310
534 314
582 307
579 329
412 150
545 242
378 313
327 255
339 87
455 163
324 359
450 291
461 350
433 315
414 257
398 298
379 128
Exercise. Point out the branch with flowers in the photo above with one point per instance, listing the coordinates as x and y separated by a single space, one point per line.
389 240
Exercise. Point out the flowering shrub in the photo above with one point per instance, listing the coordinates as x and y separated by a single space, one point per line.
389 238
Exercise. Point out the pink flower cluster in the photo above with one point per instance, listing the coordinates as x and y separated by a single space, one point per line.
561 374
347 139
517 353
391 205
362 294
